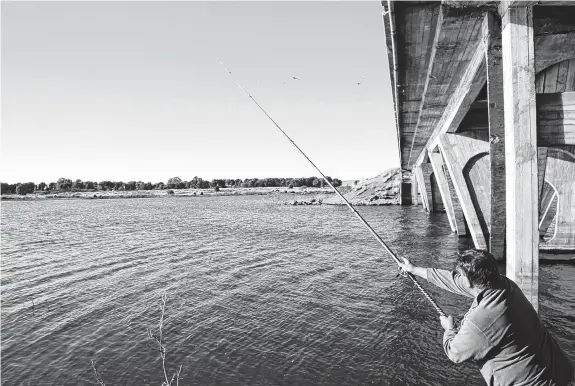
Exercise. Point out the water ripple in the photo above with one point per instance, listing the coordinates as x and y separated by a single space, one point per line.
258 293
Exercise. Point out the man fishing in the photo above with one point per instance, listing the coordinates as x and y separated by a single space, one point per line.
501 331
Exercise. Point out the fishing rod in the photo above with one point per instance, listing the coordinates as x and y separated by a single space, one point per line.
373 232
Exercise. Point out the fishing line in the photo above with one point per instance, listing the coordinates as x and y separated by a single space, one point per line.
373 232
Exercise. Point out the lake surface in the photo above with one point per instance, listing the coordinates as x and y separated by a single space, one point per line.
257 294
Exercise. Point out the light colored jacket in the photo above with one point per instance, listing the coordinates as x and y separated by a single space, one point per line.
502 332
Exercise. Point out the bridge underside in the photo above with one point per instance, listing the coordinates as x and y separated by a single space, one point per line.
484 96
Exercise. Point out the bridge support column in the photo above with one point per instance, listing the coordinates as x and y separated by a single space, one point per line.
426 171
493 57
436 160
457 150
521 151
414 190
405 193
459 217
421 186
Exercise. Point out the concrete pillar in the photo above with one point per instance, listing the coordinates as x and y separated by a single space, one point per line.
421 186
436 160
494 67
459 217
405 193
414 190
426 171
457 150
521 151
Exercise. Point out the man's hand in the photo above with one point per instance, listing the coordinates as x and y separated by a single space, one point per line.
406 265
447 322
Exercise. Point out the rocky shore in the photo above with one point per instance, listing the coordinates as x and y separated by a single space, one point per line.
383 189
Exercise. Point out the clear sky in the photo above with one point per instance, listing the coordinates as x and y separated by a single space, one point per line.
133 90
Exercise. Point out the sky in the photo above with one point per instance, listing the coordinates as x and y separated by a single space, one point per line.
133 90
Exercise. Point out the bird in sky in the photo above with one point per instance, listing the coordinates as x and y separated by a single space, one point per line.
293 77
358 83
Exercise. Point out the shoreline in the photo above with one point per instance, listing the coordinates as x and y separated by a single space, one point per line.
321 196
111 194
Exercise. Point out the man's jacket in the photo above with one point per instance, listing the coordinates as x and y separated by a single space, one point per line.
503 333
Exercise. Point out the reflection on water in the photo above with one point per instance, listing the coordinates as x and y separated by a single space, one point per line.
258 293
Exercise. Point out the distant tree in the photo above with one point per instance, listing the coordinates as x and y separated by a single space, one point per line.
52 186
64 184
106 185
199 183
25 188
41 186
335 182
5 188
78 184
216 188
119 185
89 185
174 182
316 183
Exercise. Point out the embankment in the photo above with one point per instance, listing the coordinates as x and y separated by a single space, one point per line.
383 189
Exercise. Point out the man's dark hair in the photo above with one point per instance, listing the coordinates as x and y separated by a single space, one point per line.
479 266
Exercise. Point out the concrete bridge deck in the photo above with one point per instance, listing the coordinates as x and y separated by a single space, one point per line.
484 95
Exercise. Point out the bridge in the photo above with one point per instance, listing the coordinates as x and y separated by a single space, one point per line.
484 99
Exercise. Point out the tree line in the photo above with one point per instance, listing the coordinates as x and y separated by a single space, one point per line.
67 185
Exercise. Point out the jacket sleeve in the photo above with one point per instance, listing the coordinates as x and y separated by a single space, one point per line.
450 281
467 343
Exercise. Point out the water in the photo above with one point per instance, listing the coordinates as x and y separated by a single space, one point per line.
257 294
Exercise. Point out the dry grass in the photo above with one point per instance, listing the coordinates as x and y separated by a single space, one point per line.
157 339
97 374
162 349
